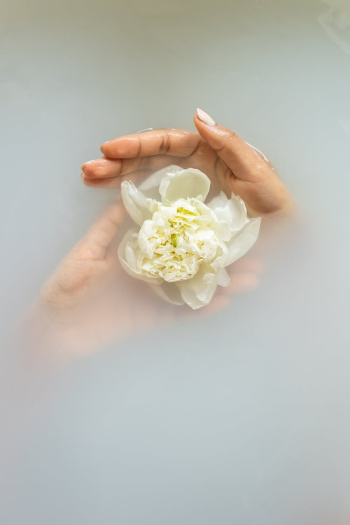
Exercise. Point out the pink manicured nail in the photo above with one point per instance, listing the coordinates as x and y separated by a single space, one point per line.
205 118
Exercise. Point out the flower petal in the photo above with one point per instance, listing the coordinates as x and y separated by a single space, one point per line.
146 231
233 210
222 277
169 292
150 186
198 291
184 184
136 203
128 254
243 241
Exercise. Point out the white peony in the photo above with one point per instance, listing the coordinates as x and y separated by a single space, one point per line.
183 245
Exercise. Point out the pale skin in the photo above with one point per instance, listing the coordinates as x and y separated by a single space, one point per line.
89 300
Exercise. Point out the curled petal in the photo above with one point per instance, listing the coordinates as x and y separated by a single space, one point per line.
150 186
136 203
222 277
243 241
169 292
184 184
232 211
128 254
145 233
198 291
223 231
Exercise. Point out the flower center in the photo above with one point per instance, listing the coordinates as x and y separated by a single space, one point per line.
177 240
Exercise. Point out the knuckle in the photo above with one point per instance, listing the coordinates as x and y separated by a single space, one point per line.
230 138
226 142
138 146
165 143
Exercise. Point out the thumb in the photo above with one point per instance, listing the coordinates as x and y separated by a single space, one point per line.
244 162
102 232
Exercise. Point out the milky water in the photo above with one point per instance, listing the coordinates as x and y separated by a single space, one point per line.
238 417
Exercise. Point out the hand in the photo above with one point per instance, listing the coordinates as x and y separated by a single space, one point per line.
230 162
90 301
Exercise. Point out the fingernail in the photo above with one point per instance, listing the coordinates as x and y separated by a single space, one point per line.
205 118
83 166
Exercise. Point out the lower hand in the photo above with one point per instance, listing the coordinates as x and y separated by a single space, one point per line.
90 301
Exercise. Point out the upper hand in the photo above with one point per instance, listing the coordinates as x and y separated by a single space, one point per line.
231 163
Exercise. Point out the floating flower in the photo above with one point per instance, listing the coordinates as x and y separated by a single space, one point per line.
183 245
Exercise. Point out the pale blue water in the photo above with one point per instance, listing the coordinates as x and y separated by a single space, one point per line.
242 417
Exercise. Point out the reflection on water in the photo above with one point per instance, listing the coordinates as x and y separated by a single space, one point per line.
240 416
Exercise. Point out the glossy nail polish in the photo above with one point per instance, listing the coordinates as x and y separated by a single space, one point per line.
205 118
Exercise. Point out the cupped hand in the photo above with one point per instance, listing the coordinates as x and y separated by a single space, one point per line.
231 163
90 301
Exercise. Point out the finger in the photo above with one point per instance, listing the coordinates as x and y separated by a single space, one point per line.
115 182
218 303
107 168
110 183
241 159
247 264
102 232
158 142
241 282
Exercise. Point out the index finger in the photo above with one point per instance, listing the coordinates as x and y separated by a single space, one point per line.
102 232
176 142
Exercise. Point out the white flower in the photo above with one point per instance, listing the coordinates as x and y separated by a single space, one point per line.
183 245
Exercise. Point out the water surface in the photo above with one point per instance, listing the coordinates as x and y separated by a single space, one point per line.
240 417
